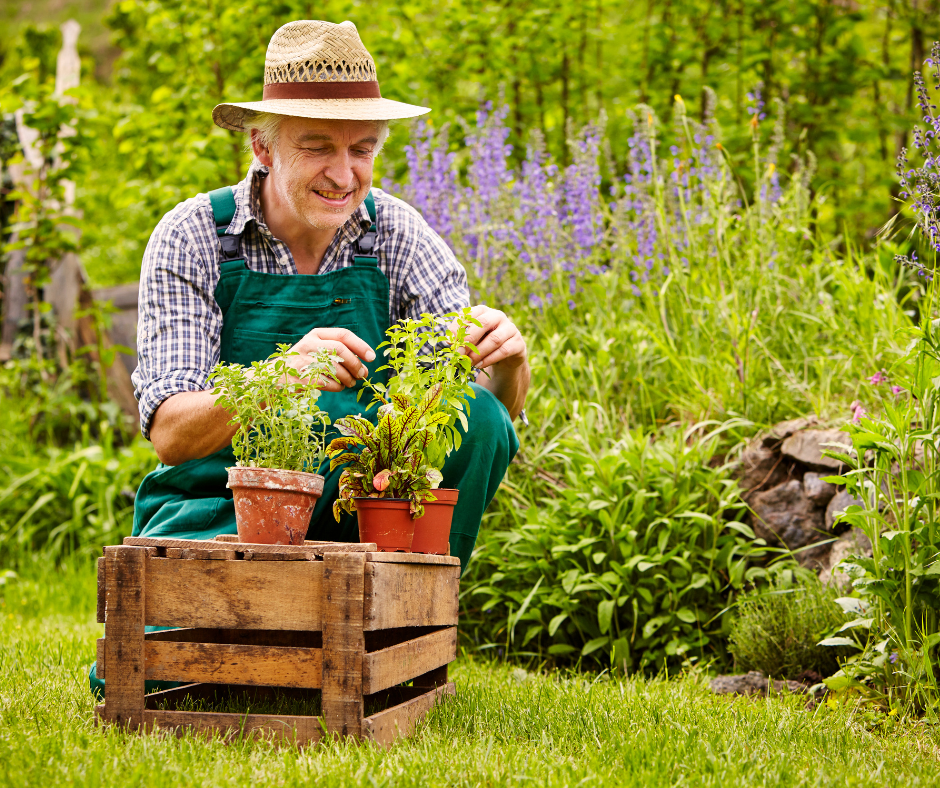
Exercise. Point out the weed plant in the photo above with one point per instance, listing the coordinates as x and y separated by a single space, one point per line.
777 629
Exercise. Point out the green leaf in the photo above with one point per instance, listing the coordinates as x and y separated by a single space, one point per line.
837 641
605 613
865 623
593 645
556 622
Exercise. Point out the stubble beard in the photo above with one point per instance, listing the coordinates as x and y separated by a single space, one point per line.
298 195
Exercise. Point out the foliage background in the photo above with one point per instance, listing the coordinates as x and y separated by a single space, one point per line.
841 66
619 536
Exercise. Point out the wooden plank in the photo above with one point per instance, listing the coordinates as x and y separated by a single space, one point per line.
234 538
413 558
343 642
286 728
211 544
125 576
102 596
394 665
235 594
410 595
250 555
224 663
387 726
199 554
99 658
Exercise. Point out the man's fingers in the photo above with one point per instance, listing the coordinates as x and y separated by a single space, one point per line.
496 338
514 347
344 337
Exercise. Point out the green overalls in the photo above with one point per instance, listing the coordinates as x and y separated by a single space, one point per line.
191 501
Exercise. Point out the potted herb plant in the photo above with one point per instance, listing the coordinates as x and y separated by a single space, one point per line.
279 444
394 466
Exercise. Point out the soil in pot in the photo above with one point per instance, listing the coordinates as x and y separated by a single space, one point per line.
273 506
432 532
387 522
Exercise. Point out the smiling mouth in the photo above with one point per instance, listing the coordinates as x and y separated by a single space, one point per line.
332 195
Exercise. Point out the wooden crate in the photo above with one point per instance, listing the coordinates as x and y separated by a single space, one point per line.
342 619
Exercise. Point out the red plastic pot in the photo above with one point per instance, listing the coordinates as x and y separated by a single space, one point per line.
432 532
273 506
387 522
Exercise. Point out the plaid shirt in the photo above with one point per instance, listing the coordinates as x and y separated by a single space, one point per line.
180 324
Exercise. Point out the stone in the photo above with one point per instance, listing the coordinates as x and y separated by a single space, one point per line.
841 501
753 683
760 467
852 542
807 447
785 429
785 514
818 491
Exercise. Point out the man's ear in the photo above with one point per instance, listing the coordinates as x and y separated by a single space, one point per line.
262 153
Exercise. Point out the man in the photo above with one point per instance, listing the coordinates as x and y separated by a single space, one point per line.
289 255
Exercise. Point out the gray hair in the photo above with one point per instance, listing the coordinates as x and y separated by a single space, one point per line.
268 126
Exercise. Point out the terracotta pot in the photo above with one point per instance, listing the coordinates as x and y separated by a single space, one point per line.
273 506
432 532
387 522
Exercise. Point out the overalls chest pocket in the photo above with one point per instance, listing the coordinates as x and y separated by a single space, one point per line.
262 326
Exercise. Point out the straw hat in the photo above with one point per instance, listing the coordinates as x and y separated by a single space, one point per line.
318 70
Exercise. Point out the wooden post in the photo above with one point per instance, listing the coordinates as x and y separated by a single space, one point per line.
125 575
343 642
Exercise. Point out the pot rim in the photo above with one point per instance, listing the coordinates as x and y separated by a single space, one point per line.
240 476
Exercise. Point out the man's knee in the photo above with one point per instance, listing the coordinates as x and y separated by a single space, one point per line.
490 424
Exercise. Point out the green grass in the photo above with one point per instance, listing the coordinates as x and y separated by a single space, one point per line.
506 726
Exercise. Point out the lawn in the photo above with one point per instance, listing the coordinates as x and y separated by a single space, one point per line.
507 726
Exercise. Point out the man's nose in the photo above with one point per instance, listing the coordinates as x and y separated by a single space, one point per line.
339 170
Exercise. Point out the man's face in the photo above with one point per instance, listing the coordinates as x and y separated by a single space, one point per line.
321 170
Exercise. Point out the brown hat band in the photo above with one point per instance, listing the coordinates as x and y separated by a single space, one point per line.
321 90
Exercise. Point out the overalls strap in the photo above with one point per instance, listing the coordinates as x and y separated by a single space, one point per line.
365 246
223 211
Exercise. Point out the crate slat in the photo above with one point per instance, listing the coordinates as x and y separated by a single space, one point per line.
343 643
303 730
398 721
234 594
410 595
125 578
224 663
405 661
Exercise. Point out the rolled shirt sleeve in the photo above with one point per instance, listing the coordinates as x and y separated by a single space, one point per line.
179 324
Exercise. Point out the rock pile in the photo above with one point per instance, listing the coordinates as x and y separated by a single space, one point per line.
783 475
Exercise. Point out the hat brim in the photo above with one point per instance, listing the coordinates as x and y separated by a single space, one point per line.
232 116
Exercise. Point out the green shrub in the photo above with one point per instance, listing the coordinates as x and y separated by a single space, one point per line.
777 629
626 559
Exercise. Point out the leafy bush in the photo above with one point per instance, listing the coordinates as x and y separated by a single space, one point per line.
627 556
777 629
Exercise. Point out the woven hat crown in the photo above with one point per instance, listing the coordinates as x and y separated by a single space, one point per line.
315 51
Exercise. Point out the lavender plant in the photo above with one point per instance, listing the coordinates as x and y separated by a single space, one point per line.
280 424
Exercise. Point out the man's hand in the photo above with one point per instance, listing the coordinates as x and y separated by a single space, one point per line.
502 354
347 347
